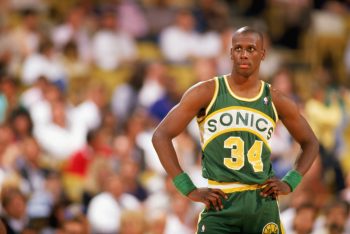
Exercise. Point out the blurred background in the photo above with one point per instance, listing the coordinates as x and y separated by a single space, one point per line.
83 83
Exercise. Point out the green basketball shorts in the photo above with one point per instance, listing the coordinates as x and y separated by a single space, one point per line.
244 212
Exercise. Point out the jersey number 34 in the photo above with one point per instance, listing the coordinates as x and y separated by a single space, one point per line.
236 161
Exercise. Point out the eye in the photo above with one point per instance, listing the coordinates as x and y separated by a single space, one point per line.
238 49
251 49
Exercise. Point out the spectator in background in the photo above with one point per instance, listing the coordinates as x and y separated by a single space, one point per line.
75 225
80 160
125 96
21 123
7 61
164 104
284 148
156 222
44 63
14 207
335 219
347 61
153 85
206 45
89 112
29 166
8 96
304 219
105 209
34 94
212 15
297 199
127 144
40 110
99 169
272 62
183 30
324 114
74 66
131 18
7 137
111 47
205 68
62 134
159 15
26 38
182 217
223 61
133 222
130 172
73 29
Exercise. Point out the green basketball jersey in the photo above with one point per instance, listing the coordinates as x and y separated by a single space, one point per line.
235 134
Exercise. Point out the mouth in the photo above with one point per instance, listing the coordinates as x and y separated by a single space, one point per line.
244 66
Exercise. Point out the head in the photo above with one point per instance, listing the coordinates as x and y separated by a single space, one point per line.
114 185
31 150
247 51
185 20
13 202
337 213
132 222
21 122
304 218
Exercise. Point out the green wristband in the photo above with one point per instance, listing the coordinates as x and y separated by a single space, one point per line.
183 183
292 178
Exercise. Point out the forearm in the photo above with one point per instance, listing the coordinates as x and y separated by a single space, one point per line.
307 156
166 153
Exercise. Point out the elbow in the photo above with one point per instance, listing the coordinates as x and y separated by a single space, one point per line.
157 136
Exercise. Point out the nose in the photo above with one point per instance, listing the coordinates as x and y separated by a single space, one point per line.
244 54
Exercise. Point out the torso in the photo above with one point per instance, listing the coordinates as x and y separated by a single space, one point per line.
235 133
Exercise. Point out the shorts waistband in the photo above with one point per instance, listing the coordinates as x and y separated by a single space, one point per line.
231 187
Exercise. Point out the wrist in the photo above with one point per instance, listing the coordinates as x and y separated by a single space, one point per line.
183 183
292 179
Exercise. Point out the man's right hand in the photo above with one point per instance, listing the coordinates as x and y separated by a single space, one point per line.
210 197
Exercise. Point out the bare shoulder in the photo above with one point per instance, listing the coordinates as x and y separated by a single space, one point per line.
285 106
200 93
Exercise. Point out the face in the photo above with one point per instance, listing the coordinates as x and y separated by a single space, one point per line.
246 53
304 220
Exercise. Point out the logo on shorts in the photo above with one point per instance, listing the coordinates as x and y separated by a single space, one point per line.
203 228
270 228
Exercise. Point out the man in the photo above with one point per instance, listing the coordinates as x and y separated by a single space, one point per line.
237 114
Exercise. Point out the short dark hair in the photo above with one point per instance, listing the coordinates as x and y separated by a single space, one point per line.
247 30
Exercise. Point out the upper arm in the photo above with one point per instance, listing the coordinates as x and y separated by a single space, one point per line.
192 102
292 119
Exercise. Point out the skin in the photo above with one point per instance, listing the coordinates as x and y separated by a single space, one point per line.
247 52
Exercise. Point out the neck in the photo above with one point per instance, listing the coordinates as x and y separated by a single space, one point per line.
244 87
243 82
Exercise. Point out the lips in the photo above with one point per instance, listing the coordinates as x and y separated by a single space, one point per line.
244 65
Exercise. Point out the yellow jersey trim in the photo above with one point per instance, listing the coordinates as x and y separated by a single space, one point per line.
231 187
242 98
236 130
275 111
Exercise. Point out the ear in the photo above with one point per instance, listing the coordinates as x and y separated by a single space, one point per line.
231 53
263 54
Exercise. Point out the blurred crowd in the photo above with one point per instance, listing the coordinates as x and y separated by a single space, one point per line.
83 83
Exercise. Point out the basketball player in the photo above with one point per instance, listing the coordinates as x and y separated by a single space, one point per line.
237 114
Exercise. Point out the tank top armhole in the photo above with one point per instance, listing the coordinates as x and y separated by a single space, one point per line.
216 79
211 103
273 105
275 111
